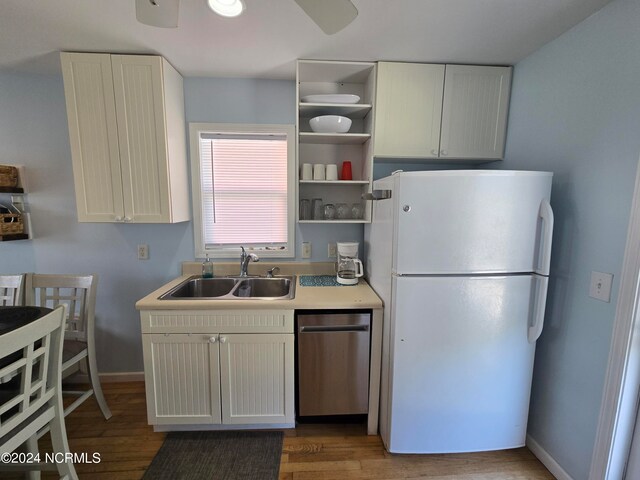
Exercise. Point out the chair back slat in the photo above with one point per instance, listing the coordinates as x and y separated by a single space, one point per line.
76 292
37 346
11 290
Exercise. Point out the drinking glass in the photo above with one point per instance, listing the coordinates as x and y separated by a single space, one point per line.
317 210
343 211
332 171
318 171
347 173
329 211
307 171
305 209
357 211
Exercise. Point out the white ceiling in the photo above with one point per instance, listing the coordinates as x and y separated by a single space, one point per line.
271 34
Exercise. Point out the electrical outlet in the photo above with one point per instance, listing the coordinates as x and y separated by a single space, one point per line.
600 287
306 249
143 251
331 250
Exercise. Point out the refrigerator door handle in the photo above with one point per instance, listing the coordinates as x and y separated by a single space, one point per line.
377 195
539 302
546 214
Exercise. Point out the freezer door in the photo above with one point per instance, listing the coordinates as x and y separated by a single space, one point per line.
460 363
469 222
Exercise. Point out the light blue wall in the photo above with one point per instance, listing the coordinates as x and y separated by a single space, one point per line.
33 132
224 100
575 111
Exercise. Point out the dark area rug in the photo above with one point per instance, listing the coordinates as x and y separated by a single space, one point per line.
227 455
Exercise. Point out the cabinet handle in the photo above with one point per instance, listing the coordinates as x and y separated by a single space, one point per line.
212 339
127 219
223 339
443 152
434 152
118 218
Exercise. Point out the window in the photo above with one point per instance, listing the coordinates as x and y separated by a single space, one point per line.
243 185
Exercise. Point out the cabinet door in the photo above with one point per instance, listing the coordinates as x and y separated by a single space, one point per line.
256 373
138 88
474 114
408 110
88 87
182 378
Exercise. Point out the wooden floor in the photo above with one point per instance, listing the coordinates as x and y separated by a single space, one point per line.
126 445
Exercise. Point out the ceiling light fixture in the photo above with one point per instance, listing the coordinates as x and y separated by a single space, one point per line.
226 8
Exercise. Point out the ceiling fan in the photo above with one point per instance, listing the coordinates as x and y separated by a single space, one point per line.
330 15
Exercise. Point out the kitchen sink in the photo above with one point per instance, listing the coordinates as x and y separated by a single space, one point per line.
264 288
233 288
201 288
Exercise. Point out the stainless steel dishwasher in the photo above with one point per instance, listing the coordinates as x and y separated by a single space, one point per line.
333 363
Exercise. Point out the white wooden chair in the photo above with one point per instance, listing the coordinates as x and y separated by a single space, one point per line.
32 356
11 290
78 292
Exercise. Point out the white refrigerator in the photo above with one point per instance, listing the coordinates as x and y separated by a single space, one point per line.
461 260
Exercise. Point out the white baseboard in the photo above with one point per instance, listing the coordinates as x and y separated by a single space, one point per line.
208 426
547 460
114 377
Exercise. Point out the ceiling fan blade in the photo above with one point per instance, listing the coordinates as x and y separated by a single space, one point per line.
330 15
158 13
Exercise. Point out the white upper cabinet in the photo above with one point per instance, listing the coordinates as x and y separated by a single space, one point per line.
474 112
441 111
127 135
409 107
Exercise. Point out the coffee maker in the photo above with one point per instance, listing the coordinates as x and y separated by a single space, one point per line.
349 267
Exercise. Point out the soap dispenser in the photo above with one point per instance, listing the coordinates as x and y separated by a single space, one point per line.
207 268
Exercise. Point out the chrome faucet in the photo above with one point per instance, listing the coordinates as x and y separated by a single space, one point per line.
273 271
245 258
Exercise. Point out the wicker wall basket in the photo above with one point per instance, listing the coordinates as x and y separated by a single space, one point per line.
8 176
11 223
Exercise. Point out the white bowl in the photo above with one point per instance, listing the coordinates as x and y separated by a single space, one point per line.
330 124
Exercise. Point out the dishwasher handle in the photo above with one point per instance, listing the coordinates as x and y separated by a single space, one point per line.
334 328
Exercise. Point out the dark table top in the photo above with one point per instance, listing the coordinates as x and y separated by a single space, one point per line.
15 317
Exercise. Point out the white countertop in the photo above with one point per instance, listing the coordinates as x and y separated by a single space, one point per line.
339 297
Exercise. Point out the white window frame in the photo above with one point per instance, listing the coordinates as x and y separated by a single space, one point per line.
195 132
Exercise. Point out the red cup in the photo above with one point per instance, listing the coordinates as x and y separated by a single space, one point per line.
346 171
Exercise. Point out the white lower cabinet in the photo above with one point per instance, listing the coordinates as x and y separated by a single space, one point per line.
254 378
182 377
219 378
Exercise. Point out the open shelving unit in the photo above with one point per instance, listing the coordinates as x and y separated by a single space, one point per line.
331 77
16 196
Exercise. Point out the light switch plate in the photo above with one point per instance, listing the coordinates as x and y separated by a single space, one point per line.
600 287
331 250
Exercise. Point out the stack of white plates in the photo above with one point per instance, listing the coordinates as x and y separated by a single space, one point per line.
331 98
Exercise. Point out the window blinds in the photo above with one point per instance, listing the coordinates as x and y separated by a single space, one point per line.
244 189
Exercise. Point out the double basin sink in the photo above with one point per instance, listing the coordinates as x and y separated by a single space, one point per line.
233 288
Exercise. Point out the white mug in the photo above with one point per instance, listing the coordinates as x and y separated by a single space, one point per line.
307 171
318 171
332 171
